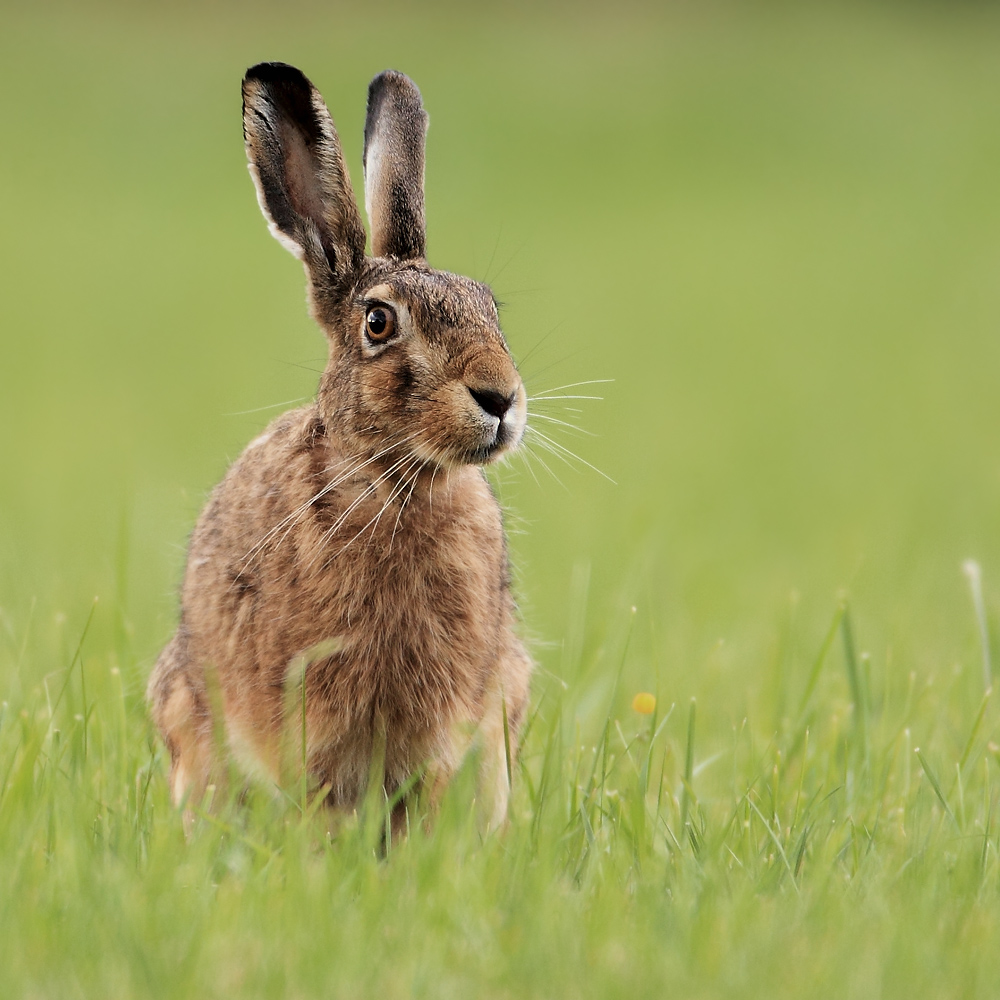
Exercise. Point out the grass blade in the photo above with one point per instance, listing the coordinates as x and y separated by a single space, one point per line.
688 765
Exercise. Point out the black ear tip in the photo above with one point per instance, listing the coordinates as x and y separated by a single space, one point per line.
276 73
393 80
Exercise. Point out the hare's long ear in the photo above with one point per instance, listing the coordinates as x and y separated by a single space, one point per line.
298 168
395 130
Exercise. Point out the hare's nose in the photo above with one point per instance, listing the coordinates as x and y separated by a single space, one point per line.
492 402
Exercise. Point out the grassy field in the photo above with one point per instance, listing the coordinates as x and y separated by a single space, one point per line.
777 232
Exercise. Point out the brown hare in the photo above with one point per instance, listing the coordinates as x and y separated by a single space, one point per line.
357 537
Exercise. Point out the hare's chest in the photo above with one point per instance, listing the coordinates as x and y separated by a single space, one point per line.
420 616
435 599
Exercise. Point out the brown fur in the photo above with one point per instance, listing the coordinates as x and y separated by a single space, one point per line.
356 537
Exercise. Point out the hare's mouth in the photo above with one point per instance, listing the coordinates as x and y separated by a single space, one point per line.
494 446
490 440
503 439
487 454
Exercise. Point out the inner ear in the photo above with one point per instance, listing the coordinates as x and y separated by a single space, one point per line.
298 167
304 190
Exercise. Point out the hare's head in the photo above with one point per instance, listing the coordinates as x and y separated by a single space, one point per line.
418 363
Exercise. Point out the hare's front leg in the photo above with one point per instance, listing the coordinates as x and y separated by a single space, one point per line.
185 722
506 704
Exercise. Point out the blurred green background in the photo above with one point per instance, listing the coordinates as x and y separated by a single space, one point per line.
775 227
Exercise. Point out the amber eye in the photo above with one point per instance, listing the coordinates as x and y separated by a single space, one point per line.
380 324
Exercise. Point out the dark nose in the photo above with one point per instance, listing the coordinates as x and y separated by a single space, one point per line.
492 402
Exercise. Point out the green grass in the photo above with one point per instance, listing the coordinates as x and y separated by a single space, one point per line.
777 231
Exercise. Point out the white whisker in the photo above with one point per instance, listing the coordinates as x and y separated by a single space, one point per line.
396 491
566 454
562 423
526 452
430 488
365 493
528 455
377 517
293 517
406 500
270 406
573 385
545 465
549 399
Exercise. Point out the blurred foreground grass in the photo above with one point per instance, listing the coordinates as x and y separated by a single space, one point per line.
778 232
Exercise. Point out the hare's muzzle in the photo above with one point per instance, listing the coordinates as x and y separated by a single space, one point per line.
502 415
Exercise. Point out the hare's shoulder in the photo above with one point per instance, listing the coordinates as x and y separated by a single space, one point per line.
294 446
276 473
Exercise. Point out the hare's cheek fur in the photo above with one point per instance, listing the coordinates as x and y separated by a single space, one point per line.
355 548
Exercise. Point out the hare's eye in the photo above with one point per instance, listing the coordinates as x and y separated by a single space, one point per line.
380 324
